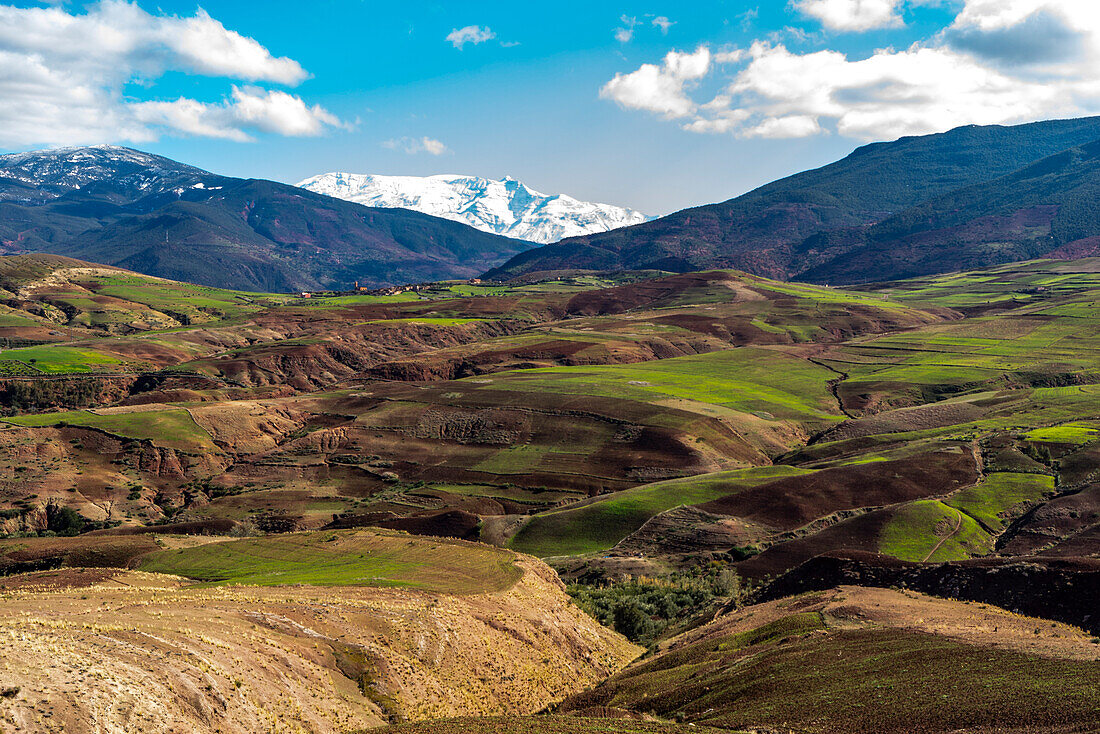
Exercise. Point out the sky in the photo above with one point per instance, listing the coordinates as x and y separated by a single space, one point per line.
654 105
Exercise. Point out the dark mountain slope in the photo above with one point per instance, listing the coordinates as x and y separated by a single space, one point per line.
762 231
263 235
121 207
1049 207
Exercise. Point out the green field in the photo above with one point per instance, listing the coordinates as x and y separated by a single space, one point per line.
1074 433
63 359
999 494
344 558
932 531
600 524
174 428
748 380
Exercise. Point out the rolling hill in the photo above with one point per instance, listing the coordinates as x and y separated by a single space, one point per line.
759 481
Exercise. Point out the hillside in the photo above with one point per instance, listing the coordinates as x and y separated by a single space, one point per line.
702 458
118 206
1045 209
396 642
896 662
781 230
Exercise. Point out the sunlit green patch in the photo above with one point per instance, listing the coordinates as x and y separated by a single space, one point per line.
609 519
930 530
343 558
173 428
1001 496
1075 433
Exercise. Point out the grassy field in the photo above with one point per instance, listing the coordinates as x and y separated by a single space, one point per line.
1074 433
171 428
602 523
748 380
63 359
344 558
1002 495
933 531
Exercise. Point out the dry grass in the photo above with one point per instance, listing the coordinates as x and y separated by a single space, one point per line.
139 653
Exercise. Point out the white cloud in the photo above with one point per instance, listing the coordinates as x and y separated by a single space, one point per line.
663 23
625 33
661 89
115 32
474 34
249 108
999 62
1059 36
431 146
852 15
63 76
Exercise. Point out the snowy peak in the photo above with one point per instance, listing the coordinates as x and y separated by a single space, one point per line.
505 207
42 175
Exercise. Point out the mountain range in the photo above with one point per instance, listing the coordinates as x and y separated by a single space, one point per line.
505 207
970 197
130 209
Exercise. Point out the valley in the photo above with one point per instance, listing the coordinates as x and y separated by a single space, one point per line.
739 474
317 416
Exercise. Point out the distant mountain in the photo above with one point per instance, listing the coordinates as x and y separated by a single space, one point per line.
122 207
812 224
40 176
505 207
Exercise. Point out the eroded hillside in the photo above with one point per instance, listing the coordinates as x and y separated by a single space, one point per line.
464 630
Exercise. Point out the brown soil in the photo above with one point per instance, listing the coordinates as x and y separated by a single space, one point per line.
792 502
138 653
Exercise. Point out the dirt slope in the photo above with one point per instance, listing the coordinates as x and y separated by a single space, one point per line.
139 652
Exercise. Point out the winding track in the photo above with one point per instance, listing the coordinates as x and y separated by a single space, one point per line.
944 539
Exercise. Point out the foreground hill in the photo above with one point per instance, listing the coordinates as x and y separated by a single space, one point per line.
377 627
806 225
146 213
866 660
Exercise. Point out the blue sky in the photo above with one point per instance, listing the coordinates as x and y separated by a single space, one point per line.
656 105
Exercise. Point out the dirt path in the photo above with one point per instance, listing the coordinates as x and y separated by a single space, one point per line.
949 536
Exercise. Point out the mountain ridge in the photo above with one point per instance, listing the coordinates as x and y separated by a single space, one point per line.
123 207
505 206
770 231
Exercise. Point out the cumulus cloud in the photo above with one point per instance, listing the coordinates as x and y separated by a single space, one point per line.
412 146
1062 35
661 89
248 108
999 61
62 77
474 34
852 15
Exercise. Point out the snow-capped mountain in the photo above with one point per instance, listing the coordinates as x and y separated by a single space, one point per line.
504 207
43 175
